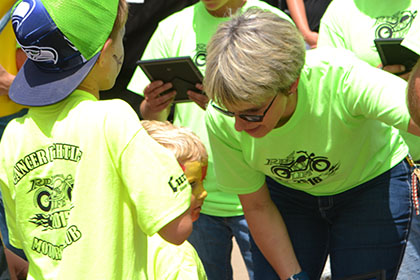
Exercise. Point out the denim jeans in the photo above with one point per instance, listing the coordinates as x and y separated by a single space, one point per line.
212 238
364 229
3 228
410 267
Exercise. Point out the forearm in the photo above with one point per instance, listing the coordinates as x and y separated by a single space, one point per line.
149 114
413 94
270 233
178 230
6 80
298 14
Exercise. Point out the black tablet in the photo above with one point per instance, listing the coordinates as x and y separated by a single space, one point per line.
392 52
180 71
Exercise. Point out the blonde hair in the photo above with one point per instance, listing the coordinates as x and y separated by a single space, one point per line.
253 56
121 19
182 141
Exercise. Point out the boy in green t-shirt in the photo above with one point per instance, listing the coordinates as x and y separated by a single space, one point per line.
82 181
192 156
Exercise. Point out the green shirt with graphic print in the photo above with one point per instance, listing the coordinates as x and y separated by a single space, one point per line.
341 134
186 33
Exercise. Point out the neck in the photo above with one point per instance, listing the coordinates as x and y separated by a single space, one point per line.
89 85
229 8
290 109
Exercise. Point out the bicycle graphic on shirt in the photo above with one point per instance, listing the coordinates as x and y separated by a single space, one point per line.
395 26
53 196
302 167
302 163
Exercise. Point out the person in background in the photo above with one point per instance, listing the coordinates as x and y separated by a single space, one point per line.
186 33
142 21
307 14
81 186
354 25
11 59
309 141
169 261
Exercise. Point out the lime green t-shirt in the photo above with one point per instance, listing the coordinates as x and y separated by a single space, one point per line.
354 24
340 135
411 40
186 33
171 262
83 184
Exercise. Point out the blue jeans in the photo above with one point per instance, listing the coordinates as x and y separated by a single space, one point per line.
364 229
212 238
410 267
3 228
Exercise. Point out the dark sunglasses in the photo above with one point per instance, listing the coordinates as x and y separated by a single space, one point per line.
246 117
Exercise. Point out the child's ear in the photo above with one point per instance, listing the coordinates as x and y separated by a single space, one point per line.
105 50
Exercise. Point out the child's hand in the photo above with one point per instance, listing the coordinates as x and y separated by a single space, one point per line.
201 99
156 102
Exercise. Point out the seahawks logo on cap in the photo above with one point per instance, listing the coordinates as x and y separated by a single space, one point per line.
40 54
22 13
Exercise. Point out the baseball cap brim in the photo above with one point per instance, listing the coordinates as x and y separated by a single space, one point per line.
33 87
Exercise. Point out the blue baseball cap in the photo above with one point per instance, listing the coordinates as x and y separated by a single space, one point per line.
60 52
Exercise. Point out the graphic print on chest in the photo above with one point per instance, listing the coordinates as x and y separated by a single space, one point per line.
395 26
302 167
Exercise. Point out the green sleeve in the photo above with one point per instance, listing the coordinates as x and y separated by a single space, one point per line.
411 40
330 33
152 177
157 47
372 97
233 173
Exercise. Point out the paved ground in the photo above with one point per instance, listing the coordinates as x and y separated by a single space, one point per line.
238 265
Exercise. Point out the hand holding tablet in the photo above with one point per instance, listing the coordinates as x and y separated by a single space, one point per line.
392 52
180 71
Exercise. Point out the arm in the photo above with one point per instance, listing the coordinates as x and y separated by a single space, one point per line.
413 94
269 232
6 80
298 14
178 230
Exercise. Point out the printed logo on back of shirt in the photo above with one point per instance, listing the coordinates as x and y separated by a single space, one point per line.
51 198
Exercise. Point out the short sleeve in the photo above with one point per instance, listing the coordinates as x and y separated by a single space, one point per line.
233 172
151 175
366 94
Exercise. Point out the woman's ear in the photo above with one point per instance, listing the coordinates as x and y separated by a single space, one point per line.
294 86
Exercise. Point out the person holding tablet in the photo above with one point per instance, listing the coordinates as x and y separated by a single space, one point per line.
186 33
354 25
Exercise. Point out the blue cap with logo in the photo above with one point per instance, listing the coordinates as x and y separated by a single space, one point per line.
61 52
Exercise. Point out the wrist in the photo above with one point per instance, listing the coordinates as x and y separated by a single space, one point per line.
299 276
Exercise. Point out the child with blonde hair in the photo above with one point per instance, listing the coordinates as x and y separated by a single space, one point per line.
192 156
